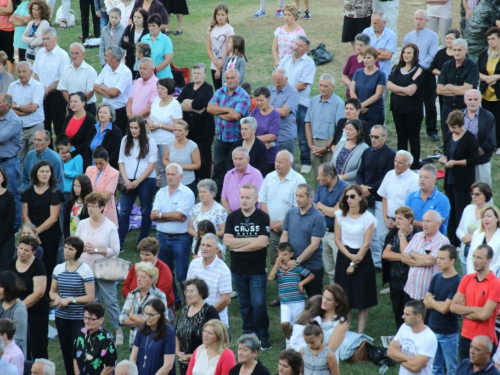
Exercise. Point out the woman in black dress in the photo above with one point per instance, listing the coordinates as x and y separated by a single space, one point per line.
189 331
8 215
178 7
131 36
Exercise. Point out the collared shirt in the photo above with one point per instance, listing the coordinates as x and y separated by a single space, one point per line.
218 278
143 94
99 136
468 72
233 183
78 79
229 131
301 70
386 41
279 195
467 368
300 228
52 157
32 92
330 198
11 127
7 368
428 45
161 47
324 115
14 355
436 201
49 66
471 124
120 79
181 200
290 96
396 188
419 278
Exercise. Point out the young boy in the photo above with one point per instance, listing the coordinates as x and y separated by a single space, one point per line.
290 287
12 353
111 34
248 88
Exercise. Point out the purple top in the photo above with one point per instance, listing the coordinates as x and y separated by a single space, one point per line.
268 124
233 183
350 68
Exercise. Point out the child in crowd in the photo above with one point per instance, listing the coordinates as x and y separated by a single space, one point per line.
204 227
29 229
12 353
218 33
111 34
142 49
72 167
75 209
290 287
248 88
235 58
318 358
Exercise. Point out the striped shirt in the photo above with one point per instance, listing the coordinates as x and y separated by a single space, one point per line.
72 284
218 278
32 92
419 278
288 284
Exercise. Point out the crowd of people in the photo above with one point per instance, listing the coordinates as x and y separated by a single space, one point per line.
166 146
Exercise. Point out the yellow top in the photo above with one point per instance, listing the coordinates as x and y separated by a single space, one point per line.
490 94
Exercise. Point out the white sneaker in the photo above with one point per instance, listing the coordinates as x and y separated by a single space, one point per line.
305 169
385 291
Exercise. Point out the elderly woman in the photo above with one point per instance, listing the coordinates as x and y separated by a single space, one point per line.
192 319
94 351
161 47
488 233
40 12
104 179
256 148
347 153
101 241
248 349
148 251
184 152
32 273
132 315
290 362
207 209
213 357
286 35
355 62
368 85
460 155
104 134
481 194
194 100
165 111
72 287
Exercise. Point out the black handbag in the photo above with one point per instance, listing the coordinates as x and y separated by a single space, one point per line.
320 54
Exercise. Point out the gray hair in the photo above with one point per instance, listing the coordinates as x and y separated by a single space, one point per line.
148 60
45 132
211 236
430 168
328 169
208 184
179 168
111 110
241 149
436 215
487 342
280 71
363 38
235 70
115 10
461 42
380 15
472 90
251 341
426 15
384 130
76 44
49 367
24 63
200 66
290 156
116 51
7 99
131 367
407 155
328 77
250 121
51 31
309 189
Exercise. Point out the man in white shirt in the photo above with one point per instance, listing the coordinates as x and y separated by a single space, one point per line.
215 273
171 211
79 76
144 90
49 65
415 345
114 84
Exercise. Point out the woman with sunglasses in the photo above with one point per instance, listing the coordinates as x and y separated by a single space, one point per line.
354 270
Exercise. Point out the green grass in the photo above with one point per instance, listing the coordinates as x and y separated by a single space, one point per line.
190 48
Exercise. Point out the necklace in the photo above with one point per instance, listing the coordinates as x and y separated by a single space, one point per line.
147 350
88 356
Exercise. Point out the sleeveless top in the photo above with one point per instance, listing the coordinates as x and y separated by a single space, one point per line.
315 364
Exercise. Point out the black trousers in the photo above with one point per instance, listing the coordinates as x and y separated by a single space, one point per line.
22 54
122 119
67 329
429 88
399 298
221 152
217 81
205 147
84 11
494 107
54 108
315 287
459 199
408 131
50 249
38 330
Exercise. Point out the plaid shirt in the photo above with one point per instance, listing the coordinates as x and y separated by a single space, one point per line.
133 301
229 131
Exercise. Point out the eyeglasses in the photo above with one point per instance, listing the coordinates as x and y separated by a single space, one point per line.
151 316
190 291
374 136
475 194
89 319
91 206
351 196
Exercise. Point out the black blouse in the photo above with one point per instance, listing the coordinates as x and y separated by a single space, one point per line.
404 104
259 369
80 138
439 59
8 215
130 45
200 125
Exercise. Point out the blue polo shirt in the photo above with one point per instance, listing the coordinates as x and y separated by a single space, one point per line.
437 201
466 368
290 96
330 198
161 46
300 229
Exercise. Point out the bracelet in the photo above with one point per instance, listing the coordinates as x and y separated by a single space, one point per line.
352 264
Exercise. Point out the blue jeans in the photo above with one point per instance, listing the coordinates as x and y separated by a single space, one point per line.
446 354
146 192
103 20
11 167
288 145
251 291
305 152
176 250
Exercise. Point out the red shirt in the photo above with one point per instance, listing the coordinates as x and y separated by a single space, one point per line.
164 282
73 126
477 293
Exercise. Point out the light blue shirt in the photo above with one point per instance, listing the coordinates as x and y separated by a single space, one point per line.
52 157
428 44
72 168
7 368
302 70
324 115
181 200
290 96
11 127
387 41
161 46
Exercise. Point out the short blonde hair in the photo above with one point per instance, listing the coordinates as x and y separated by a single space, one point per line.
220 331
148 269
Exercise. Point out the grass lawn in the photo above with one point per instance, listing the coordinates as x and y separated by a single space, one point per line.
190 48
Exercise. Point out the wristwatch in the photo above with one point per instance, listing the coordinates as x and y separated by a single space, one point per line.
74 300
352 264
159 215
297 262
402 235
96 250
